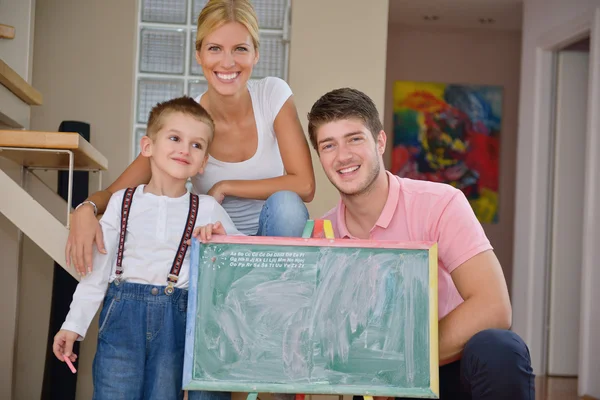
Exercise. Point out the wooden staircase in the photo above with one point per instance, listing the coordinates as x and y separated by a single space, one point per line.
34 219
34 150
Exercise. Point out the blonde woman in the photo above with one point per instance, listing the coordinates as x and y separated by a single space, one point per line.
259 165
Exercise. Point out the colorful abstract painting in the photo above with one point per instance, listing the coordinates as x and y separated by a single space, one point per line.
450 133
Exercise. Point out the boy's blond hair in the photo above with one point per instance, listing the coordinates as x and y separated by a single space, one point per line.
184 105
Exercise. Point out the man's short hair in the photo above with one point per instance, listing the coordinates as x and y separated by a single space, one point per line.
341 104
184 105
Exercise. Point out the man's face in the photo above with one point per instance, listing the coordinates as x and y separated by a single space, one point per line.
351 158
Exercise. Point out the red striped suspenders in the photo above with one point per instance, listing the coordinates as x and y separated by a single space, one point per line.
125 207
179 256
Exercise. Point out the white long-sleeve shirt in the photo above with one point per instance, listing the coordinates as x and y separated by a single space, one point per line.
154 231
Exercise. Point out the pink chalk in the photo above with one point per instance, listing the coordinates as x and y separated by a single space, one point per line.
70 364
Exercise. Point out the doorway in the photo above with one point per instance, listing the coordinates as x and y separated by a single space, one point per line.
534 274
567 187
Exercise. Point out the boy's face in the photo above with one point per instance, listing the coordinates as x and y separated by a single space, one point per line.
180 147
349 155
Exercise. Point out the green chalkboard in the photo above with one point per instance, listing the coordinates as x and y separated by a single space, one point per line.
313 316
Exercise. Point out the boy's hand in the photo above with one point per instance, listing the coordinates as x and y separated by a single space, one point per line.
205 232
63 345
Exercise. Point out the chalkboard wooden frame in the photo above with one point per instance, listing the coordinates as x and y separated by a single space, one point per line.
431 390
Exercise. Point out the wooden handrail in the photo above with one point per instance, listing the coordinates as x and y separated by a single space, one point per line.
19 86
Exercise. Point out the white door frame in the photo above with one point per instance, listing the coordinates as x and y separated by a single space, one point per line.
535 302
589 350
567 220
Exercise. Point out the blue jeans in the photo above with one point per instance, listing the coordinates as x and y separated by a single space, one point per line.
284 215
141 342
495 365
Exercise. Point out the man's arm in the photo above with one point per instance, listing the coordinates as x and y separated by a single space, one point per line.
480 281
466 253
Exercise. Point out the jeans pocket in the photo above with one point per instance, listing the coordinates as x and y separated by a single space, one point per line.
105 314
182 305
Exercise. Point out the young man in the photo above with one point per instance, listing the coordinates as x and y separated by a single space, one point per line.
479 357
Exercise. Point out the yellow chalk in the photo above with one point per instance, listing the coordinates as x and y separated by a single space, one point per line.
368 397
328 229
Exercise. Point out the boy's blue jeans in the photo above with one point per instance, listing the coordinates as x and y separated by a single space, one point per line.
141 342
284 215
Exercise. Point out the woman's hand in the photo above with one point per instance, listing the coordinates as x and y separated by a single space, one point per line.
205 232
218 191
85 230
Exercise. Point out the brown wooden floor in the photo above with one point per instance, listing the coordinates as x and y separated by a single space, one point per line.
552 388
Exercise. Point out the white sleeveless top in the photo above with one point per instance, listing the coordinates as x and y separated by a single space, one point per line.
268 96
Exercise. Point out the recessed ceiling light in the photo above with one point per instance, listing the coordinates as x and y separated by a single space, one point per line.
431 17
486 20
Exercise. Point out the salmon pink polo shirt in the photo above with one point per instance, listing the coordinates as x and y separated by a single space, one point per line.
418 210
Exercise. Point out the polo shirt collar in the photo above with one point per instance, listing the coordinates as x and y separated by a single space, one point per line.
389 209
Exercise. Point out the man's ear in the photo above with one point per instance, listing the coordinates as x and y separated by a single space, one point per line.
201 170
146 146
381 142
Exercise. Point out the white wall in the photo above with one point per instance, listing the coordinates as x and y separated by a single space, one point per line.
540 17
9 248
85 54
486 57
17 53
84 67
336 43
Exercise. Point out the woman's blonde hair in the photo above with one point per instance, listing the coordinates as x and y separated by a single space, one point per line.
218 12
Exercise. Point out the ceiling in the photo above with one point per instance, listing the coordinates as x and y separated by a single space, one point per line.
506 14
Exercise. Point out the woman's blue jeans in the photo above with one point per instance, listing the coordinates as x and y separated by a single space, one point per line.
284 215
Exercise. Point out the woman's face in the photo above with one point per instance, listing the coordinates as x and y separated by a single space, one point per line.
227 57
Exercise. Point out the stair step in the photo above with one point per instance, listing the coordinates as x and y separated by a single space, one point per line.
34 149
19 86
7 32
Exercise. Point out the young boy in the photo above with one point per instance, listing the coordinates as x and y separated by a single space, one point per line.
143 277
